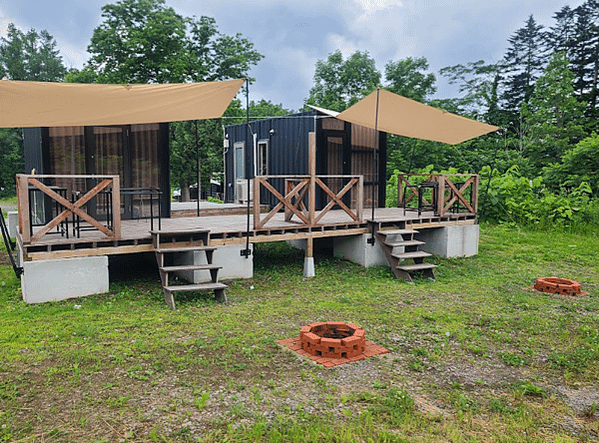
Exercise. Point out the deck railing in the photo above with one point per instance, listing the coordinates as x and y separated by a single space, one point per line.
441 193
300 197
66 200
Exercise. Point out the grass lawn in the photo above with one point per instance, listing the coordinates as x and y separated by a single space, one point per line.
474 356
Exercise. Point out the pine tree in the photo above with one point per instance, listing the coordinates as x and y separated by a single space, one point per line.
524 61
584 54
552 120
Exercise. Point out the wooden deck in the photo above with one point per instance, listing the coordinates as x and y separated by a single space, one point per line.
230 230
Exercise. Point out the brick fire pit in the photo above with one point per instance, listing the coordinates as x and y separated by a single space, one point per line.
333 343
555 285
333 339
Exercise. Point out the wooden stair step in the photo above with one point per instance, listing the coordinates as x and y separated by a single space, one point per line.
409 255
416 267
189 268
399 232
179 232
185 249
196 287
404 243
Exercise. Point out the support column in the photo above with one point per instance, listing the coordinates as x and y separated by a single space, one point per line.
309 258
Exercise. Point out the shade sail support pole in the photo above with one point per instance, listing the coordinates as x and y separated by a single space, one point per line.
372 240
199 166
247 251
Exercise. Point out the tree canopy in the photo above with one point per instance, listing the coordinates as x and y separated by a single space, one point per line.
29 56
145 41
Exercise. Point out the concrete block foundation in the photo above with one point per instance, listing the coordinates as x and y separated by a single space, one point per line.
233 264
450 241
357 250
12 222
60 279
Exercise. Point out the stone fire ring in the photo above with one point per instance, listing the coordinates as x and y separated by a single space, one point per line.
333 343
333 339
555 285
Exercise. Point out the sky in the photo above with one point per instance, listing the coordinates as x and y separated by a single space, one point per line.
293 35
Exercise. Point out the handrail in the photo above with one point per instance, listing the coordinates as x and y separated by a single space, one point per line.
67 208
300 188
448 195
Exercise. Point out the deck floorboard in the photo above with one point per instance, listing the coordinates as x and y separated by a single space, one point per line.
229 229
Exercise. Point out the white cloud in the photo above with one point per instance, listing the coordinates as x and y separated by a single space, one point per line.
377 5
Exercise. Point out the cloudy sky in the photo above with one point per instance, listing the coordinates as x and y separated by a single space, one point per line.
293 35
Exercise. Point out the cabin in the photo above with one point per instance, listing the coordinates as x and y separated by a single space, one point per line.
279 146
138 154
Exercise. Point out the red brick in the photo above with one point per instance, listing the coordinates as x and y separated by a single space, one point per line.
358 358
353 326
311 338
328 364
351 341
354 353
330 341
313 325
335 323
359 333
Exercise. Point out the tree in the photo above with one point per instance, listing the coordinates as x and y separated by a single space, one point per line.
561 36
339 83
144 41
479 83
11 159
406 78
552 121
265 108
30 56
584 54
524 63
578 164
24 56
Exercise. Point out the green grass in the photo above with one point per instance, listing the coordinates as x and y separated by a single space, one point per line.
474 355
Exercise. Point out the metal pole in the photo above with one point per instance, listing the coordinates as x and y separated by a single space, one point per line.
199 164
374 163
247 251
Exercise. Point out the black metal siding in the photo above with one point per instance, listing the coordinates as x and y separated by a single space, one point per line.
288 139
287 147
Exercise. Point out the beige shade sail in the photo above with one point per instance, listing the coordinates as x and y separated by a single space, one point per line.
402 116
33 104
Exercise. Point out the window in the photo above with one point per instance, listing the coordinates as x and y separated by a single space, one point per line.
262 158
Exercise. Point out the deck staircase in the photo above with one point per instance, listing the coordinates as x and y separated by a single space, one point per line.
403 253
169 244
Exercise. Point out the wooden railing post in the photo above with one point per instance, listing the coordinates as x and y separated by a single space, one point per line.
256 202
475 193
399 190
360 205
440 196
116 206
